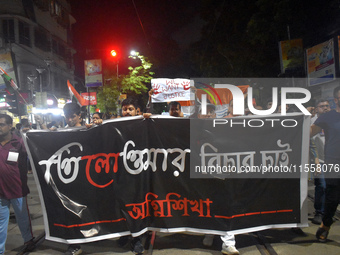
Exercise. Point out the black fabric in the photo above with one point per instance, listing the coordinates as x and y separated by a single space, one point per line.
113 193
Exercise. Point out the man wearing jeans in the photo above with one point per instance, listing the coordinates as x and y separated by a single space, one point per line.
317 146
13 184
330 123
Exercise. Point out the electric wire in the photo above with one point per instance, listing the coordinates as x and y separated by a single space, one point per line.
141 24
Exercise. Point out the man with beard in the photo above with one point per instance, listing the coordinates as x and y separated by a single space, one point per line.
129 108
13 184
330 123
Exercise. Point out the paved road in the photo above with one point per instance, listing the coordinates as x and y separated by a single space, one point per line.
268 242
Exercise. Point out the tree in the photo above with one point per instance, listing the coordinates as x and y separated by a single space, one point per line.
107 95
133 84
240 38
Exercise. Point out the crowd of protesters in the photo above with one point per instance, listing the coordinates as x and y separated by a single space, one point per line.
327 192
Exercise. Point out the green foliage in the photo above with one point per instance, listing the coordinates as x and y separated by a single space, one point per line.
134 83
92 109
107 96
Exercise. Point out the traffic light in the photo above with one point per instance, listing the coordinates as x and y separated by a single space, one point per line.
114 53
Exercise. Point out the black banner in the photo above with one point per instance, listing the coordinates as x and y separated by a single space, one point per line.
131 175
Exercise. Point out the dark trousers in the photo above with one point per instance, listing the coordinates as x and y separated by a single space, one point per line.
332 199
319 194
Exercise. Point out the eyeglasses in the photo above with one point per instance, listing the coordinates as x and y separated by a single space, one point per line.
3 124
323 106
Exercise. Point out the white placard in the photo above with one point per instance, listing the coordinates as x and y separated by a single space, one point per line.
13 156
166 90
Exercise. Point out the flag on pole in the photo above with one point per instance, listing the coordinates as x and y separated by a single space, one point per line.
10 84
73 92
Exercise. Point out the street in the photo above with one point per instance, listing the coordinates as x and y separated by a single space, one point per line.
273 241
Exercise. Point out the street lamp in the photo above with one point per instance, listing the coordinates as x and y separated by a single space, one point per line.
40 70
48 62
31 79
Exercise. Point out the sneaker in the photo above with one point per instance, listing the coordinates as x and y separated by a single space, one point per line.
73 249
137 246
317 219
208 240
229 250
29 246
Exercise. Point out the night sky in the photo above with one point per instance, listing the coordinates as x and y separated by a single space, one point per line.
199 38
106 24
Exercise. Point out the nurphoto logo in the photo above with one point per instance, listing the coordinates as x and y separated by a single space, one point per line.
238 100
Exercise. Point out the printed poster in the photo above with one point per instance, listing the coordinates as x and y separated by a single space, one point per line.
320 63
93 73
291 55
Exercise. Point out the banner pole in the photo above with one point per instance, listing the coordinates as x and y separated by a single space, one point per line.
88 106
152 242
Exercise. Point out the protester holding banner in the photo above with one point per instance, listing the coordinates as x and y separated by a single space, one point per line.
72 113
96 116
175 109
329 122
129 108
228 245
73 118
96 119
139 110
149 105
13 184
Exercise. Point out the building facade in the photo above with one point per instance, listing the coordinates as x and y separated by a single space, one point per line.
38 36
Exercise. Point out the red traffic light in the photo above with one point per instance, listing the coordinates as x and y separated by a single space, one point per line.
113 53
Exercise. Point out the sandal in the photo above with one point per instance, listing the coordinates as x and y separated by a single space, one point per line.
321 235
